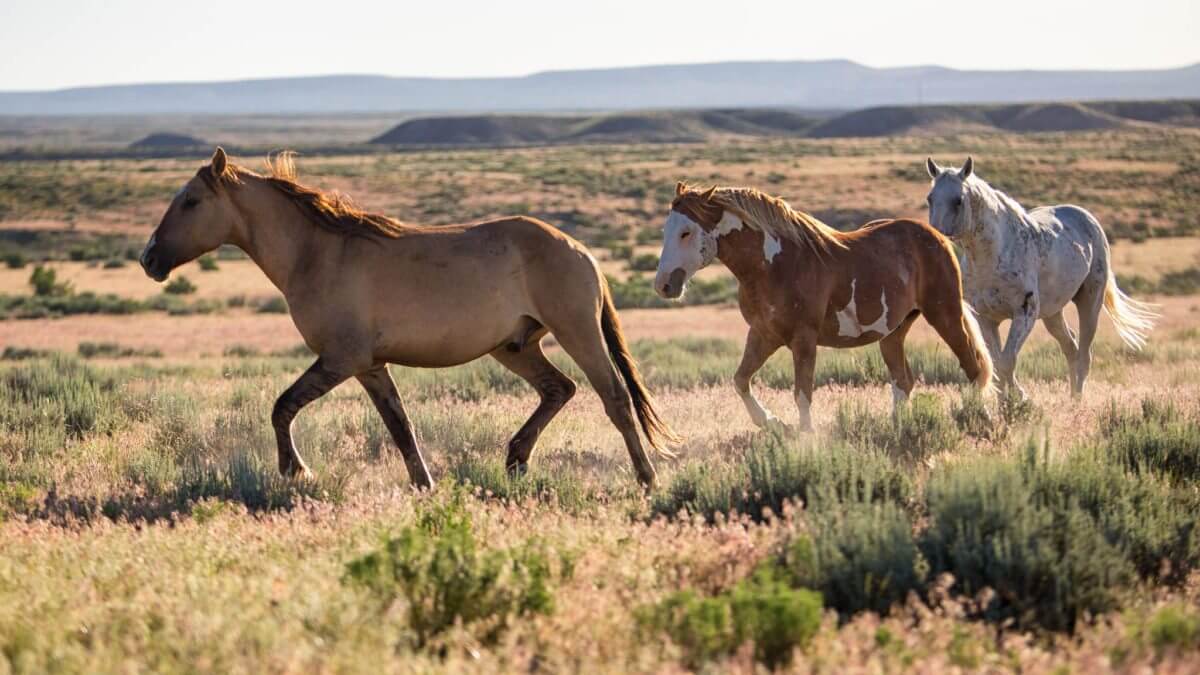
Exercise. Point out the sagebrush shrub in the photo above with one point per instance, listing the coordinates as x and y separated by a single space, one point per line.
859 555
60 396
1048 561
1157 438
761 609
446 577
776 470
918 429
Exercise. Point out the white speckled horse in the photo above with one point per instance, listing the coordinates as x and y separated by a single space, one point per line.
1027 265
802 284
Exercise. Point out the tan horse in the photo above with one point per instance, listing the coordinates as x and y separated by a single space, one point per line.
804 284
366 290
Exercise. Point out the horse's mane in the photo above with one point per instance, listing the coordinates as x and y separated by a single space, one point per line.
777 218
332 210
985 197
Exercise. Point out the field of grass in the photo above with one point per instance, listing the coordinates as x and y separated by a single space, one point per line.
144 526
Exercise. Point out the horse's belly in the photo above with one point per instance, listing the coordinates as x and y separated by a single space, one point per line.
443 341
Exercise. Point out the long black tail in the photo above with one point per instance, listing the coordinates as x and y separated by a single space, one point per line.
658 433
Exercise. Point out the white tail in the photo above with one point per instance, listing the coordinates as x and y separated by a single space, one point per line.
1134 320
982 357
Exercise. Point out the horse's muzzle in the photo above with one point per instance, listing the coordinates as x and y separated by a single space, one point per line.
154 264
672 288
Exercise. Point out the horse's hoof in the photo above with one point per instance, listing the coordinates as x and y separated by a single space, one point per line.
518 470
296 471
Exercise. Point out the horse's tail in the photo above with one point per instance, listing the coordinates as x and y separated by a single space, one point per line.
983 360
658 432
1133 319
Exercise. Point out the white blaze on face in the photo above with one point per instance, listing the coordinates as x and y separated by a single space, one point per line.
771 247
849 325
682 239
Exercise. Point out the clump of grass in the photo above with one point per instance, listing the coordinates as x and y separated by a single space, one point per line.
918 429
15 260
56 398
45 283
776 471
275 305
447 577
208 263
1156 438
112 350
180 285
490 478
761 609
14 353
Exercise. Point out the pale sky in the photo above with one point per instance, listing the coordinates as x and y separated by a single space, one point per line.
50 44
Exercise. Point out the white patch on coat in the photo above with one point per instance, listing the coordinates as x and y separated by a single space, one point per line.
771 247
898 396
849 325
729 223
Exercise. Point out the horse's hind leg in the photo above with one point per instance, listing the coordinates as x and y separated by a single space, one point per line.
1089 301
554 388
584 342
1066 341
892 349
382 390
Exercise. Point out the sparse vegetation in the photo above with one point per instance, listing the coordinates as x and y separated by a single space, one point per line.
966 532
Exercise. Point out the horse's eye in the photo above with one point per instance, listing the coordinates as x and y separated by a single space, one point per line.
957 202
929 199
686 234
190 202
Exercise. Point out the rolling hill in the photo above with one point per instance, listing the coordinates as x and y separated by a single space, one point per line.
698 125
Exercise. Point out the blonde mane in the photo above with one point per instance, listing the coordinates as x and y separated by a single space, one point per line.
777 218
330 210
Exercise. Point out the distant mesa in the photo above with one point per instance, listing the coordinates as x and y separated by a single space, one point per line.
1019 118
168 140
634 127
475 130
1054 117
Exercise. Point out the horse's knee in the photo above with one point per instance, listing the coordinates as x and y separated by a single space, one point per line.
565 390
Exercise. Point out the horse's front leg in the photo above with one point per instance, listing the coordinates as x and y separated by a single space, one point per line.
804 360
313 384
1023 322
759 348
382 390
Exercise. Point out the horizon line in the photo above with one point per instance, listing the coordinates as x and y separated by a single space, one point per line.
314 76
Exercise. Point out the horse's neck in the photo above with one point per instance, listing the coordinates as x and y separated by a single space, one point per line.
273 232
997 219
744 253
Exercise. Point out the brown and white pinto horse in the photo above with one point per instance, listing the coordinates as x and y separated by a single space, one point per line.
804 284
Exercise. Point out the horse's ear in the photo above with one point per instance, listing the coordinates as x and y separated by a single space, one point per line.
708 194
932 167
680 188
219 162
968 166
